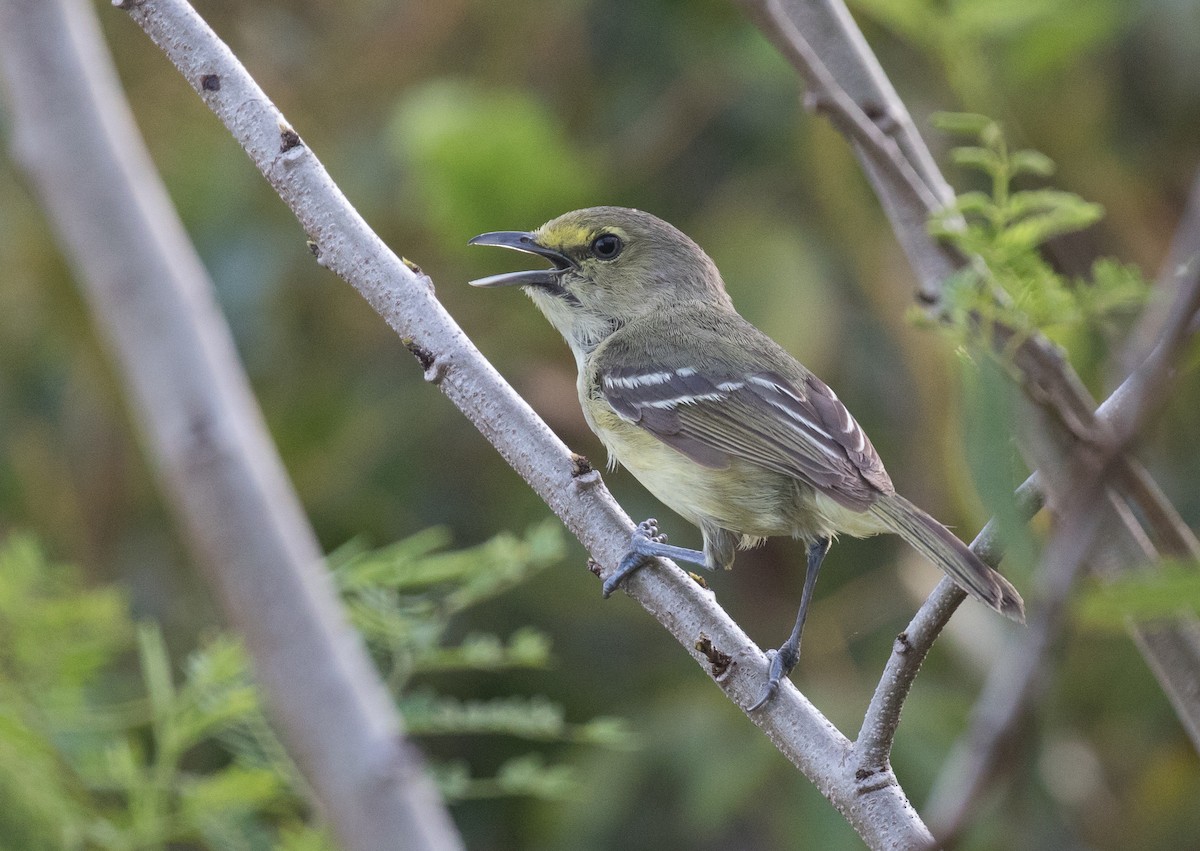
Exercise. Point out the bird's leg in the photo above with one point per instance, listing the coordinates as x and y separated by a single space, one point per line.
646 544
785 658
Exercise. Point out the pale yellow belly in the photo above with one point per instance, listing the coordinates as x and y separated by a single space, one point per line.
743 498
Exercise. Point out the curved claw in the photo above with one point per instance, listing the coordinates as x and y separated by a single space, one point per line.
774 675
646 544
632 562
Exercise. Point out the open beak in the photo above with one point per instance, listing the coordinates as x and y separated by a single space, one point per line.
521 241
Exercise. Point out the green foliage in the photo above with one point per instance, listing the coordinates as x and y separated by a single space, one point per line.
529 718
1004 228
974 40
481 157
402 598
94 756
989 403
1172 588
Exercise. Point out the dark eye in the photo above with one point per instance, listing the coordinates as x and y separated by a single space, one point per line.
606 246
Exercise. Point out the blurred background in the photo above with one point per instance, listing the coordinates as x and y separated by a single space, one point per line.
444 120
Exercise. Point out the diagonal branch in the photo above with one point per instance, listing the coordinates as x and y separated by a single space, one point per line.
1063 411
150 297
403 296
873 747
1013 684
1123 412
847 84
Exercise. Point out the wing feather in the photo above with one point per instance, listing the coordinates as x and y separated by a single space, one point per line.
797 428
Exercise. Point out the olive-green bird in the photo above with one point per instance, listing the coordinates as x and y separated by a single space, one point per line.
714 417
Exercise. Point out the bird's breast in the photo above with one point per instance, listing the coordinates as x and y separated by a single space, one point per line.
742 497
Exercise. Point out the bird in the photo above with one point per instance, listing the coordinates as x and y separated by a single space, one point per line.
712 416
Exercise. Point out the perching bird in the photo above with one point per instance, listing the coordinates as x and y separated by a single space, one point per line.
716 419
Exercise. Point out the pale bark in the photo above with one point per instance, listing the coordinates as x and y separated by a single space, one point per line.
154 305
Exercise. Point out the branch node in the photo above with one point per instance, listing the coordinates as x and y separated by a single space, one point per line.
870 780
902 646
719 661
927 298
418 271
435 370
885 119
583 473
210 83
314 249
288 139
595 568
815 102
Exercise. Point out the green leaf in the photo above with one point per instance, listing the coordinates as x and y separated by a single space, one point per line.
1172 588
1030 162
236 789
1034 229
961 123
608 732
975 203
528 648
981 159
156 669
529 775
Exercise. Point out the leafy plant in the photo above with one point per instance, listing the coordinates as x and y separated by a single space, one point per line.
1172 588
1005 228
103 746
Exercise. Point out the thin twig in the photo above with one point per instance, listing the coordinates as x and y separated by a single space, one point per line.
1013 682
822 42
1144 389
1011 686
830 32
879 810
151 298
1182 260
873 747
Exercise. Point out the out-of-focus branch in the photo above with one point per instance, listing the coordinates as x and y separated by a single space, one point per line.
846 82
403 296
1144 389
151 299
1013 684
1182 261
1123 413
873 747
1063 411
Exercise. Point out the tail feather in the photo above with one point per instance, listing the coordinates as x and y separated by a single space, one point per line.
939 545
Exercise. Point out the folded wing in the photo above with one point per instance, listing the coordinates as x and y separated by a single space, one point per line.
797 427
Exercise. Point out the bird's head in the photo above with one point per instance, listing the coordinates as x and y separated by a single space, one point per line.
611 265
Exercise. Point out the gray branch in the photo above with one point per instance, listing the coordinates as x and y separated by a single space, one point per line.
151 299
1014 683
873 747
847 83
820 34
876 807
